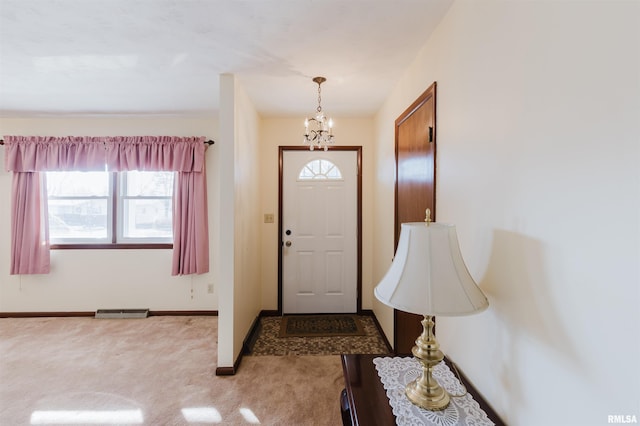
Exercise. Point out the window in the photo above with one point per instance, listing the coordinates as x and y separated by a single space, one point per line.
320 169
145 207
108 208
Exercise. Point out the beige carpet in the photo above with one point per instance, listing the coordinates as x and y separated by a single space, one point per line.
153 371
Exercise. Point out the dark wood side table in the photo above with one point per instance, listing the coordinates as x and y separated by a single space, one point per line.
364 402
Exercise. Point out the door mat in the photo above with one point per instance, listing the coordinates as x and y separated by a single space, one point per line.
320 326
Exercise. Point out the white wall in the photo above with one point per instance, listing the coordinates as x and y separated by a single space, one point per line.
86 280
239 219
247 298
275 132
538 111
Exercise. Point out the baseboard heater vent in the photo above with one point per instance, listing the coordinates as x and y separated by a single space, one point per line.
121 313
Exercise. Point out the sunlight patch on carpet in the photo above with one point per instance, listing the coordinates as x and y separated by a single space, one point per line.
86 417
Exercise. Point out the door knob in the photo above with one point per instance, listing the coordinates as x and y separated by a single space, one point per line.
288 244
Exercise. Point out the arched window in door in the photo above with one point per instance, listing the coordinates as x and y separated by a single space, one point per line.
320 169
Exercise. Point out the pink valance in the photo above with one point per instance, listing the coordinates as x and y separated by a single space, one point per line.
155 153
94 153
44 153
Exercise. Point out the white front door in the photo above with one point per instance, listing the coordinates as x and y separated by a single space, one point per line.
319 225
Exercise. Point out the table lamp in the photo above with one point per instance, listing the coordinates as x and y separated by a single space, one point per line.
428 277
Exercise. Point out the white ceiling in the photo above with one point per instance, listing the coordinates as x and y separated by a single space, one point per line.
88 57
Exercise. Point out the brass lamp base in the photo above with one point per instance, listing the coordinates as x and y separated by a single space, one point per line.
435 399
425 391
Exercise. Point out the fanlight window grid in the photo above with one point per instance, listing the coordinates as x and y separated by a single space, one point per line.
320 169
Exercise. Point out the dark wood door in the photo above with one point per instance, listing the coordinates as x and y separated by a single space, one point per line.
415 189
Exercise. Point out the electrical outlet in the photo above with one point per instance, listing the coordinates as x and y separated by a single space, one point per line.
210 288
268 218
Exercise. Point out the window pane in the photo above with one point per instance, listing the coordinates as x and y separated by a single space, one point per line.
78 219
78 206
146 207
147 218
148 184
77 184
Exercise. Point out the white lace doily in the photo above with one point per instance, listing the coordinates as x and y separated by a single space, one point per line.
396 373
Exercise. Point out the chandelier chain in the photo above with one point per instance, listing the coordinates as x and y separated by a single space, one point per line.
319 109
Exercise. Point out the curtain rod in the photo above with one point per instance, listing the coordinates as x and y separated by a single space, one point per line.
209 142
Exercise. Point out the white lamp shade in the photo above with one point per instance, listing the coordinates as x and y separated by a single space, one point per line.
428 275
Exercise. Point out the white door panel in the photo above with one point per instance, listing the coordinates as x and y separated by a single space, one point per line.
320 264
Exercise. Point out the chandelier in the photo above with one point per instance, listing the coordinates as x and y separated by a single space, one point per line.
318 130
